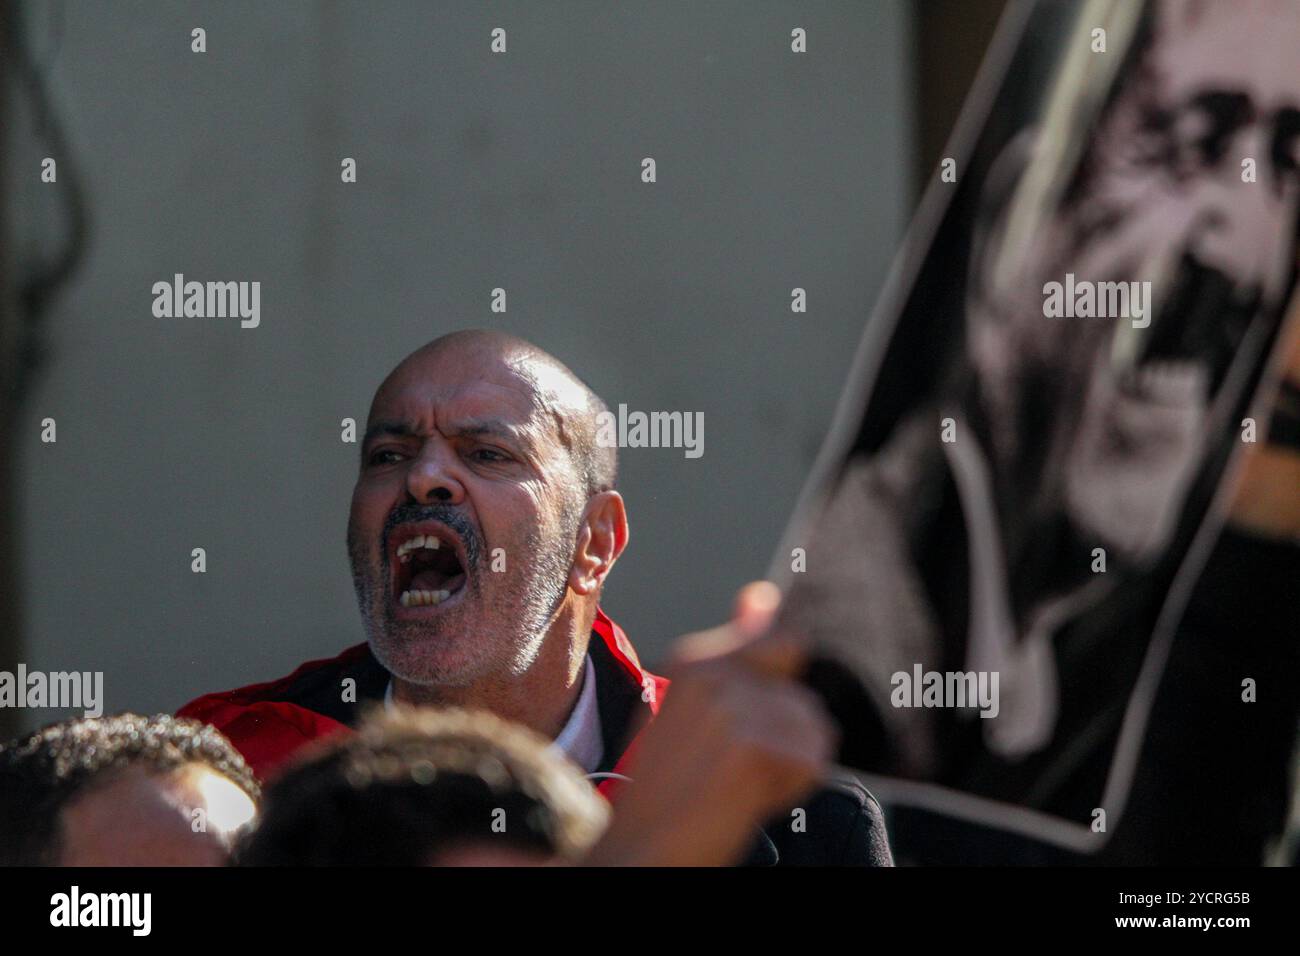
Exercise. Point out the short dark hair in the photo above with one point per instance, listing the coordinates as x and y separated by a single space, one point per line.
412 784
41 773
597 464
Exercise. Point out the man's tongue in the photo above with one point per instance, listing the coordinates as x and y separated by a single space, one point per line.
428 579
432 569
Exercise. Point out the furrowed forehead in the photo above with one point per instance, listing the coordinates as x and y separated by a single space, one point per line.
473 390
1198 45
435 378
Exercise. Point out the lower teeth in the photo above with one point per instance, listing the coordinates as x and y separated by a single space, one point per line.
423 598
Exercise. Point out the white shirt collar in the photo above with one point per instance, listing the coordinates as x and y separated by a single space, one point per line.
582 738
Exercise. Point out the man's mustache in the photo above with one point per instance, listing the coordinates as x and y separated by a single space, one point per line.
405 514
1205 315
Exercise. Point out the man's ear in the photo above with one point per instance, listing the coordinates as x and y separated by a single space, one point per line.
602 536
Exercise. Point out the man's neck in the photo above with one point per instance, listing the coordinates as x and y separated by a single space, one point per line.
542 698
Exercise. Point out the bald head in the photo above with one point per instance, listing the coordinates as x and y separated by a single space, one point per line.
567 399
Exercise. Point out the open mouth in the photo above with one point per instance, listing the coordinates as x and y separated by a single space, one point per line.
428 567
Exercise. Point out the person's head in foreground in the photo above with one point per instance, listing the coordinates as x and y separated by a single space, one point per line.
482 527
429 787
123 791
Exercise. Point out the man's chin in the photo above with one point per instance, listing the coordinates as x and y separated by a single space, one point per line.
415 662
428 653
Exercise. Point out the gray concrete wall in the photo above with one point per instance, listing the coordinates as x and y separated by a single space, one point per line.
775 170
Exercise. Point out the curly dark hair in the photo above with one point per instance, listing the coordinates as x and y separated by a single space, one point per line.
41 773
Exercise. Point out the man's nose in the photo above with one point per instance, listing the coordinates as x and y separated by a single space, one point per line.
432 477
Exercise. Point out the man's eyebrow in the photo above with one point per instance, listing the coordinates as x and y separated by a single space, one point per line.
470 428
389 427
493 427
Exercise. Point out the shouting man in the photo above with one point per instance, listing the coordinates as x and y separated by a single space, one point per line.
484 523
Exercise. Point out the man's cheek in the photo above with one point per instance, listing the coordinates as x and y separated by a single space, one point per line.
365 545
371 503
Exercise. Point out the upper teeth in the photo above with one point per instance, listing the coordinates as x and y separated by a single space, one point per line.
419 541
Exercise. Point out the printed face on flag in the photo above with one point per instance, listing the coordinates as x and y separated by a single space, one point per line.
1047 402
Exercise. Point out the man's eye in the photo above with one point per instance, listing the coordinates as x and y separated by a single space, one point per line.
488 455
385 456
1220 115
